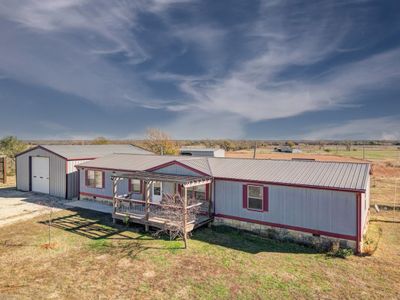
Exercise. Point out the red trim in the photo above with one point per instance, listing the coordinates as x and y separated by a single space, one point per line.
174 162
96 195
307 230
358 224
40 147
288 184
179 189
244 196
82 158
265 198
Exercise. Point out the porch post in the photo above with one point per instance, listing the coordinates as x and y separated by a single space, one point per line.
210 197
147 187
114 188
185 216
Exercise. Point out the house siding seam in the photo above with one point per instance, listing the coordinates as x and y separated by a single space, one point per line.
321 210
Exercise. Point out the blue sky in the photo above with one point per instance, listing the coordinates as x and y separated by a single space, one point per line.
200 69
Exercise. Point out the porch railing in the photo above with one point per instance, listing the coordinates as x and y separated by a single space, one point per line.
137 207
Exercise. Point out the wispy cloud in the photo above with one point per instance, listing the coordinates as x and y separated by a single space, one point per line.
283 60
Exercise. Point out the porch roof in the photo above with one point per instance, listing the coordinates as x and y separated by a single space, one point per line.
185 180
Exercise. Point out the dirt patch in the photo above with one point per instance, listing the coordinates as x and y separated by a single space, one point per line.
17 206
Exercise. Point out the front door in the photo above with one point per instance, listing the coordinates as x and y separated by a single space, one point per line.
156 194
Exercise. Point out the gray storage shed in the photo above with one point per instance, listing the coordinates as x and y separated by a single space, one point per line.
210 152
50 169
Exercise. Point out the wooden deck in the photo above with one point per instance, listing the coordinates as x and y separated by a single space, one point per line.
158 222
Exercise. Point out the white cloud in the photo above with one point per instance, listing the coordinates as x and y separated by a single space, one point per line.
383 128
66 45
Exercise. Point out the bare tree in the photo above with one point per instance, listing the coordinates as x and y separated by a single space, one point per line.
173 210
160 142
101 140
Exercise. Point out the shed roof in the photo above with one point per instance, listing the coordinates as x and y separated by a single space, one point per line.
89 151
329 175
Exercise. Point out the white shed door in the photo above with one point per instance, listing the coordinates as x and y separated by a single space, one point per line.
40 174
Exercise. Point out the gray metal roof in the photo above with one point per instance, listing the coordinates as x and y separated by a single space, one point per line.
332 175
152 176
92 151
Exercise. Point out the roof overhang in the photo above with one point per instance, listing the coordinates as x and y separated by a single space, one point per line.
186 181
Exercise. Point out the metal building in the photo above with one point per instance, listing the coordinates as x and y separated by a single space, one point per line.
50 169
209 152
308 201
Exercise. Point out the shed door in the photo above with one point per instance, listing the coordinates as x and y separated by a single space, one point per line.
40 174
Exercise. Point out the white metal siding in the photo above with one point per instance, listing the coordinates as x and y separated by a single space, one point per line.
57 171
324 210
123 187
365 203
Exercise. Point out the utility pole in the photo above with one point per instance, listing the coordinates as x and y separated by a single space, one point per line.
363 152
255 150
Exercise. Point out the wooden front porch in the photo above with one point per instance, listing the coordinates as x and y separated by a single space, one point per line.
180 208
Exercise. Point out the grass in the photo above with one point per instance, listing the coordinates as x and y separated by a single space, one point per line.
94 257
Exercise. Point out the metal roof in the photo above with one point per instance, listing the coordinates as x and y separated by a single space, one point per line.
152 176
331 175
89 151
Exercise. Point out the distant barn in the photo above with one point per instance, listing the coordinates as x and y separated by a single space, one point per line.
210 152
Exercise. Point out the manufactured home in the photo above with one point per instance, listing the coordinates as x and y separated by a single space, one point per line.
311 202
50 169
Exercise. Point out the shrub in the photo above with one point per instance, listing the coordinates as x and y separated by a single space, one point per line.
341 252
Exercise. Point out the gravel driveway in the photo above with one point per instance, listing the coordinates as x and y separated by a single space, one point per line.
16 206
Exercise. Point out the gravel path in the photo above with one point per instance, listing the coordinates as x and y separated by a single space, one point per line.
17 206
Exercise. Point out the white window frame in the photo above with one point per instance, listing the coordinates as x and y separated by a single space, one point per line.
94 185
262 197
132 182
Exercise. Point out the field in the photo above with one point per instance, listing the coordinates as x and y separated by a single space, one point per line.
385 161
91 258
94 259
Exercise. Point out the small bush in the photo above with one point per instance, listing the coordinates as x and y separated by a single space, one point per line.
341 252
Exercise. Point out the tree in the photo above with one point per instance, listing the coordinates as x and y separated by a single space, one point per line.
160 142
348 145
291 144
173 210
227 145
11 146
101 140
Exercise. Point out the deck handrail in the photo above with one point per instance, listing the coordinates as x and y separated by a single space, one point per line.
157 204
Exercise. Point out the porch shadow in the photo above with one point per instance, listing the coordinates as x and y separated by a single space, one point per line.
99 227
232 238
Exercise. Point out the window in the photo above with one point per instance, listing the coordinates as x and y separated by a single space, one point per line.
197 192
255 197
95 179
135 186
157 188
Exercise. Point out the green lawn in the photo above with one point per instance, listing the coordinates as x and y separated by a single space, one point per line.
94 259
